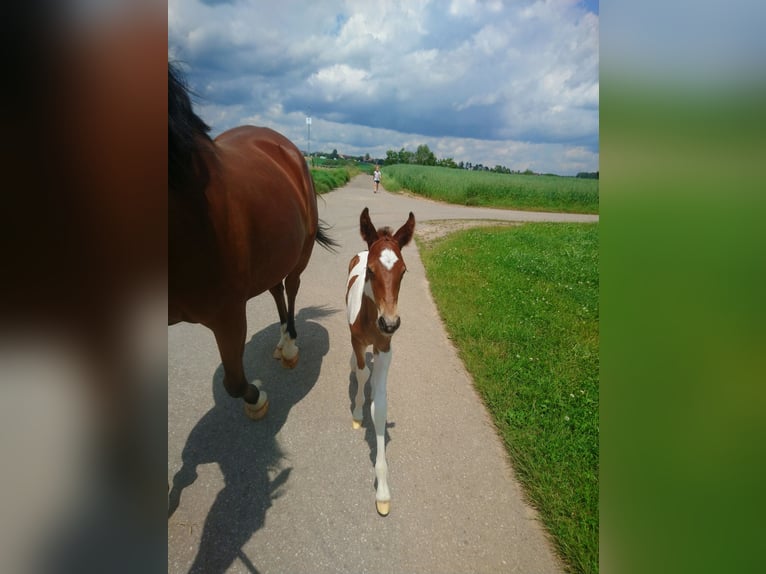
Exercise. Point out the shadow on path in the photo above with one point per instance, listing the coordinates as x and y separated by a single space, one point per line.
248 452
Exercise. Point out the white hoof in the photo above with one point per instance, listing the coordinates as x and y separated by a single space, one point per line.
289 363
289 354
282 338
383 507
259 409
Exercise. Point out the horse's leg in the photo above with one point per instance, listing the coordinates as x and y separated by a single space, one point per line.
379 412
289 348
230 331
278 292
359 366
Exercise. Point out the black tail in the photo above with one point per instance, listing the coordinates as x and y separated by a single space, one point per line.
324 239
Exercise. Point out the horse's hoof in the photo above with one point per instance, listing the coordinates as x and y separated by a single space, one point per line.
383 507
259 409
355 424
289 363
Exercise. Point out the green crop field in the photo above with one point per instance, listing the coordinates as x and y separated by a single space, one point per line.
488 189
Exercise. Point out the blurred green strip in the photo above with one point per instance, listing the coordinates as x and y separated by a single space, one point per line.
683 339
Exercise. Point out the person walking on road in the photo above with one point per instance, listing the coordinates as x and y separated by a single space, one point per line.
376 178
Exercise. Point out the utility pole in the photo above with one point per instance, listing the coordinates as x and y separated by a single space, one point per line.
308 127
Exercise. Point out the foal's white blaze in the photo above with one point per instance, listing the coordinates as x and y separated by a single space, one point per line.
388 258
356 291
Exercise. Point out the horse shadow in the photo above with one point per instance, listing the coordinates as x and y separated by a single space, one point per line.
367 424
247 452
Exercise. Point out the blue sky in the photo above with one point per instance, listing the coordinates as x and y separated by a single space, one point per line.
492 82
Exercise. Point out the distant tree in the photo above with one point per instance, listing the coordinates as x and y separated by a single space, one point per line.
461 165
367 157
588 175
424 156
446 162
334 154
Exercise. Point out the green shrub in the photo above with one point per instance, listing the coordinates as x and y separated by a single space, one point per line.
328 179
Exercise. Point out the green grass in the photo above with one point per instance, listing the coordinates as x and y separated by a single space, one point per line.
327 179
522 306
488 189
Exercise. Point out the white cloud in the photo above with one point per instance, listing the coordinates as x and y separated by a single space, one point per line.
340 80
484 81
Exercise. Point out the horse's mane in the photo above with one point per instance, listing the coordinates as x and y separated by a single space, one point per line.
188 139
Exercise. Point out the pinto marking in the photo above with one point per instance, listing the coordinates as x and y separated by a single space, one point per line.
356 286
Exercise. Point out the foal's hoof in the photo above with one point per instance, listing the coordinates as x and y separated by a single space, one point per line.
355 424
289 363
259 409
383 507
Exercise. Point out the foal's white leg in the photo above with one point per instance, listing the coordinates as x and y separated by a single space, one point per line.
379 412
361 379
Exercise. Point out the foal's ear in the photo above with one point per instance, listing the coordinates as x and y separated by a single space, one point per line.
404 233
366 228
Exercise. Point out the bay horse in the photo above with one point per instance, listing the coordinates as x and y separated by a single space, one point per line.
242 219
372 296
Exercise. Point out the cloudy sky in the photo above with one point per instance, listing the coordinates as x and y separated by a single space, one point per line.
510 82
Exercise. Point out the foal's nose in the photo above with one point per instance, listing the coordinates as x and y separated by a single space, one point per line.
387 326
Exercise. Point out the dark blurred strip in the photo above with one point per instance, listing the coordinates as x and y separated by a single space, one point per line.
83 342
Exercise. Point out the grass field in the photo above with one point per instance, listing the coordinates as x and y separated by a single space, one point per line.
512 191
522 306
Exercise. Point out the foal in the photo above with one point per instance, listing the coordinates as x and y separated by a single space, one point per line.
372 296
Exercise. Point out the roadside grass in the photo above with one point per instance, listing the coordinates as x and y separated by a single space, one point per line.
488 189
327 179
522 306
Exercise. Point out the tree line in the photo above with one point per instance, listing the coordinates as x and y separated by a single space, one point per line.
424 156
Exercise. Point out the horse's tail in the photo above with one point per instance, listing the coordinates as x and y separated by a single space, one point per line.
324 239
